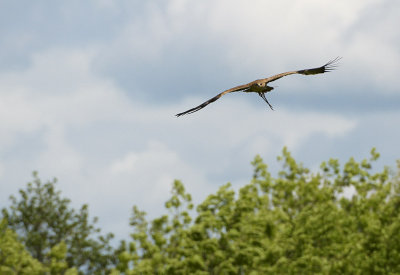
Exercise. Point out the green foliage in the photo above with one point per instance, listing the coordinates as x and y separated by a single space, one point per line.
340 220
56 235
14 259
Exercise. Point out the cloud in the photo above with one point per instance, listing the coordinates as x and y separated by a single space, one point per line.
173 49
152 170
180 49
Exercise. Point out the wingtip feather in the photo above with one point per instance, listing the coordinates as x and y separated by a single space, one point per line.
332 64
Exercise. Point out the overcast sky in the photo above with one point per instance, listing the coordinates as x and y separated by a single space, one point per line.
89 90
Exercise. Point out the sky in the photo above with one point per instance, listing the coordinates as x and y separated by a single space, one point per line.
89 91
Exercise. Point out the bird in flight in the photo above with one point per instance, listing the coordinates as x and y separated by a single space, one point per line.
260 86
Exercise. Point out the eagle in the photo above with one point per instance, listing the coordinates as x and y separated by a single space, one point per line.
260 86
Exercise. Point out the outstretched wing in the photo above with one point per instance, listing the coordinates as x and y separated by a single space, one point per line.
201 106
330 66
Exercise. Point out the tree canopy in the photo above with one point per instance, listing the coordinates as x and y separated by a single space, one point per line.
46 223
341 219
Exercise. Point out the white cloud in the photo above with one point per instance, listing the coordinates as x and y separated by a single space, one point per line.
153 170
241 120
1 170
379 69
58 156
58 89
268 37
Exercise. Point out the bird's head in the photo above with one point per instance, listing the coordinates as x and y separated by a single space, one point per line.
264 87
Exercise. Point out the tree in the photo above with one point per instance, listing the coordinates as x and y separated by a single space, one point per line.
49 229
15 259
339 220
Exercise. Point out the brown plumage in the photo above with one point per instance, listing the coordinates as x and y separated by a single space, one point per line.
260 85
